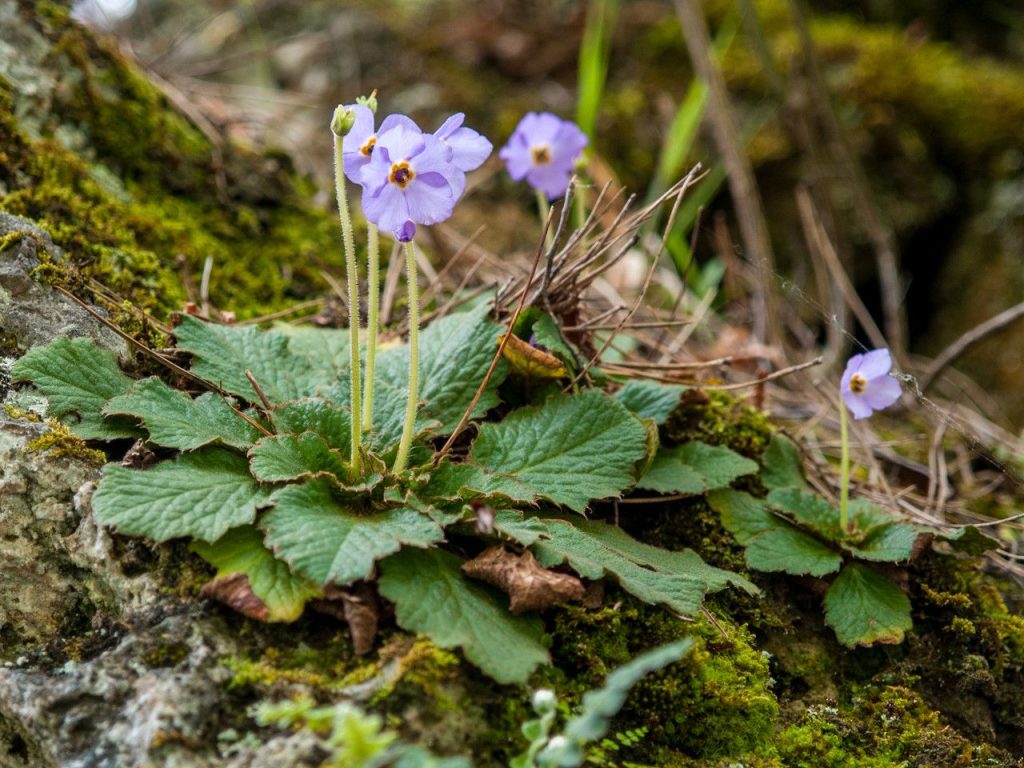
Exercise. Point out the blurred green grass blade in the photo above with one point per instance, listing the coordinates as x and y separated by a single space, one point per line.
595 51
680 137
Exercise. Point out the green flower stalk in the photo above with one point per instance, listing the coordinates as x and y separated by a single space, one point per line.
402 458
866 387
372 320
342 123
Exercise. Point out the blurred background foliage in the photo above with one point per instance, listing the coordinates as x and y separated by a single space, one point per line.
912 110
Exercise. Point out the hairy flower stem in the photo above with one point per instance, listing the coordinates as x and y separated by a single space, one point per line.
372 321
544 207
844 466
348 240
414 360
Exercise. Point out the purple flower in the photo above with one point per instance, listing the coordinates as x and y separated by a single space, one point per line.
357 145
469 148
543 149
867 386
409 179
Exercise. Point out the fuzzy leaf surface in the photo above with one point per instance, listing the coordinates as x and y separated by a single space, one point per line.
650 399
743 515
202 494
324 540
221 354
782 465
791 551
326 348
864 608
460 481
433 597
241 551
809 510
695 468
313 414
891 543
77 377
455 353
288 457
571 449
678 580
175 420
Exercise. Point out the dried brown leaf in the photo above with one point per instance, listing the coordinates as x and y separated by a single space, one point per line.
529 586
234 591
357 606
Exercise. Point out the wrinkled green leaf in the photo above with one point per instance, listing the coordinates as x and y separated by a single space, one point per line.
461 481
221 354
678 580
433 597
783 467
743 515
175 420
791 551
891 543
201 494
289 457
969 539
327 348
318 536
809 510
455 353
78 378
570 450
864 608
332 422
241 551
694 468
650 399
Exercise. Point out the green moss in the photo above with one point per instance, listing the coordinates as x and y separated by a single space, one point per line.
718 418
716 702
59 441
150 197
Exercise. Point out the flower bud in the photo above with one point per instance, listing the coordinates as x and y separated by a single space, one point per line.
544 701
369 101
343 120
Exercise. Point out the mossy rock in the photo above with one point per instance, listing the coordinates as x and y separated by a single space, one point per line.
134 193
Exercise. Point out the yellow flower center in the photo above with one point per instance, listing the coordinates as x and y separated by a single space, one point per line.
401 174
367 148
541 155
858 384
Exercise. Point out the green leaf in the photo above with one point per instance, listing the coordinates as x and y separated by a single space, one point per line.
808 509
326 348
175 420
570 450
323 539
890 543
332 422
547 335
969 539
678 580
600 706
221 354
744 516
455 353
864 608
289 457
78 378
201 494
433 597
650 399
462 481
782 465
791 551
241 551
695 468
